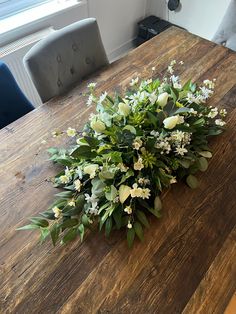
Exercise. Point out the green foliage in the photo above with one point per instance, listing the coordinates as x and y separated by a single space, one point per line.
134 146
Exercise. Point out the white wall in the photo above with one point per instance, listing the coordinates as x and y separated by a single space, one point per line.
201 17
117 20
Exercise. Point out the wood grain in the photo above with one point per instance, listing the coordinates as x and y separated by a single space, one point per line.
187 261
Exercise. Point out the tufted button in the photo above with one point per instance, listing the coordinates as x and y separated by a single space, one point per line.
74 47
59 83
88 60
59 59
224 43
72 70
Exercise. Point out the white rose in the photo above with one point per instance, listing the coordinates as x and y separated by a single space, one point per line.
91 170
98 126
162 99
124 193
170 123
124 109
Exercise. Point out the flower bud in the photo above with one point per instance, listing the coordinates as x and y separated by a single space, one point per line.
124 109
162 99
170 122
98 126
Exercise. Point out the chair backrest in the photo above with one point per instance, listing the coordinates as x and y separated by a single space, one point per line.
226 33
65 57
13 103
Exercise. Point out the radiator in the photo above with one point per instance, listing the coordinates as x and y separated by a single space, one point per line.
12 54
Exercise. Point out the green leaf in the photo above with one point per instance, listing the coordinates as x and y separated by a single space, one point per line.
55 231
205 154
130 237
203 164
68 223
83 152
117 214
185 163
92 141
130 128
111 195
85 220
39 221
199 122
28 227
157 203
44 233
98 187
182 110
192 181
139 230
81 231
70 235
142 218
108 226
64 195
155 212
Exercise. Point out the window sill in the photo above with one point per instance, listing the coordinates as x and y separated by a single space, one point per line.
31 16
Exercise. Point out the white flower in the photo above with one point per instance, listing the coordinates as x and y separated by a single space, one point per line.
92 85
180 120
152 98
124 193
176 81
173 180
134 81
78 185
223 112
163 99
93 201
139 164
64 179
154 133
78 171
137 143
213 113
171 122
193 112
128 210
91 170
98 126
136 191
57 212
71 203
103 97
129 226
181 150
124 109
170 69
173 62
71 132
181 62
220 122
123 167
206 93
153 68
209 83
90 100
145 193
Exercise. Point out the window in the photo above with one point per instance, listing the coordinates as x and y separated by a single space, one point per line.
11 7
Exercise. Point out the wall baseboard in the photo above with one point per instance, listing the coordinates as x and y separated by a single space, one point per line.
121 50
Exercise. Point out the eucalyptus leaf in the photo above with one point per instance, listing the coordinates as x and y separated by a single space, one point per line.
192 181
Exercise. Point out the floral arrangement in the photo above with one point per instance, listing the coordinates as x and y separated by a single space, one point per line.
134 147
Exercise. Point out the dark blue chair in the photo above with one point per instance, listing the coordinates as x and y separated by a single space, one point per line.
13 103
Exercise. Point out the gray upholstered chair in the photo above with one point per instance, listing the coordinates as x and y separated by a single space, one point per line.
226 33
65 57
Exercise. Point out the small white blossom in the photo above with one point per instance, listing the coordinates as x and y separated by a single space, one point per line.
213 113
123 167
181 150
152 98
139 164
57 212
78 185
209 83
153 68
128 210
71 203
92 85
64 179
71 132
220 122
90 100
134 81
129 225
102 97
137 143
173 180
223 112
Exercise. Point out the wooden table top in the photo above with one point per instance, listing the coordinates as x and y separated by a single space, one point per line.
186 263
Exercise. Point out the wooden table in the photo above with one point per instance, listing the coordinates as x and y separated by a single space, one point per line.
187 261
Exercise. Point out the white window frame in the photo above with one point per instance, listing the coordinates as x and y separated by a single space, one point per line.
12 7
